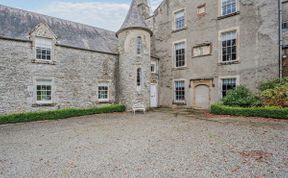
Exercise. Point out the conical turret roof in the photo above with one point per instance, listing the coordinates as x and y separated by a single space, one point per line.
134 19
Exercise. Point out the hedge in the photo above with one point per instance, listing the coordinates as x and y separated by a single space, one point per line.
267 112
59 114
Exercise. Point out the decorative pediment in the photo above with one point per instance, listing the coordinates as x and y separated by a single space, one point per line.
42 30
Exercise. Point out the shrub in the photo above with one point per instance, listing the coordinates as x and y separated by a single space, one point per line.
277 96
59 114
267 112
270 84
274 92
241 96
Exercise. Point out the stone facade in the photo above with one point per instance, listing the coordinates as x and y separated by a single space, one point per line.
83 57
75 75
257 25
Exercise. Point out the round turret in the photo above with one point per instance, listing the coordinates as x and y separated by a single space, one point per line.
134 59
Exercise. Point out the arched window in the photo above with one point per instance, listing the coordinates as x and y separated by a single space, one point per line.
139 45
139 77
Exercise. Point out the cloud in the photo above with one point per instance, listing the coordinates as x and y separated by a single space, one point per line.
155 3
100 14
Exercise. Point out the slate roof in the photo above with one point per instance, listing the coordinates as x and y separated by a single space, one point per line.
17 24
134 19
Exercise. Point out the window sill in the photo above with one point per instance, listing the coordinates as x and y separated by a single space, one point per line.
228 63
180 103
105 102
180 68
202 56
40 61
44 104
178 30
229 15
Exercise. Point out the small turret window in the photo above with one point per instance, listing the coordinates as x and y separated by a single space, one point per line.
139 73
139 45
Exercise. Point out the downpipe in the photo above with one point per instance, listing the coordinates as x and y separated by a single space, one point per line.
280 20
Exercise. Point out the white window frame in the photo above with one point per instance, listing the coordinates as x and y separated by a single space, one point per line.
174 53
237 77
44 43
174 24
174 91
104 84
44 81
237 30
221 8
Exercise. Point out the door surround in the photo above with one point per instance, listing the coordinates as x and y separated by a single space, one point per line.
197 82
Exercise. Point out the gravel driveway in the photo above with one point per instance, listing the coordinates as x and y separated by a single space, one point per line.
163 143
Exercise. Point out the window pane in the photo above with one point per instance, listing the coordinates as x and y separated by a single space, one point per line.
227 84
229 48
229 7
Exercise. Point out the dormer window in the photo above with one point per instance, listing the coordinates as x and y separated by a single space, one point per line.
139 45
43 47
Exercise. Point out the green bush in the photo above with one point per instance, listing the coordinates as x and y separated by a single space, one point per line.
267 112
241 96
271 84
274 93
59 114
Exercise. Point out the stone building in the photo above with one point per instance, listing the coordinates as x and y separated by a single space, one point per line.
189 53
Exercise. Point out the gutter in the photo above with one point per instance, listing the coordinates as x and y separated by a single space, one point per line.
280 20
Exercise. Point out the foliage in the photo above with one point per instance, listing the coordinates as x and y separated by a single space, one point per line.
267 112
59 114
274 92
277 96
241 96
270 84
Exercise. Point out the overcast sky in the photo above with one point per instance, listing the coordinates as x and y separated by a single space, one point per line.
108 14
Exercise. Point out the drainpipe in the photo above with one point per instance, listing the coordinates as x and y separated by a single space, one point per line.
280 19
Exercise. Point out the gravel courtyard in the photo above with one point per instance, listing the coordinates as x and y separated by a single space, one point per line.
163 143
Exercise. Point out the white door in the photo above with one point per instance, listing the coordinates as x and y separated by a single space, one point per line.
153 96
202 99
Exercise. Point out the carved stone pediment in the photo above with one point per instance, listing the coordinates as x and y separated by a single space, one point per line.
42 30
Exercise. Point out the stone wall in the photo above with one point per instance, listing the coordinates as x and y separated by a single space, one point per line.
129 62
257 23
76 74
